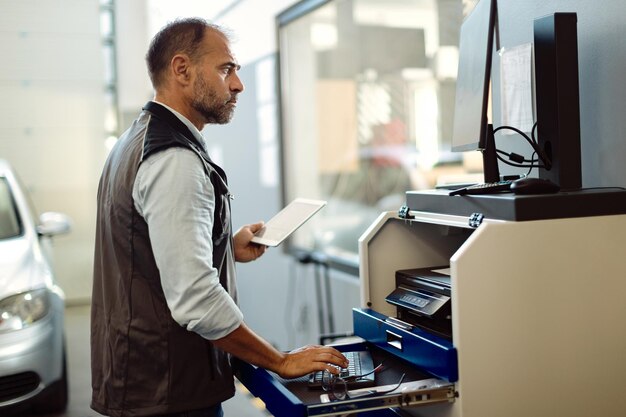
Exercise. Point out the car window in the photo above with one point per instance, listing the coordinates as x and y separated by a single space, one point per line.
9 219
32 211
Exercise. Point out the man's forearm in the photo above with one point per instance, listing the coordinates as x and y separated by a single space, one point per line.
248 346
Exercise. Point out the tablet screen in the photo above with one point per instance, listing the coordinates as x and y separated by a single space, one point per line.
286 221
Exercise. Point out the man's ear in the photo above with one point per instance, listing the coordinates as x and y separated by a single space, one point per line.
181 68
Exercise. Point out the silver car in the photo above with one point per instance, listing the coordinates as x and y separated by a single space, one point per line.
32 344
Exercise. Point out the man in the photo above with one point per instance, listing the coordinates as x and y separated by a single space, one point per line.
164 313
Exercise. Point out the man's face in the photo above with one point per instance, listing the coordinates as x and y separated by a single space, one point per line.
217 84
213 105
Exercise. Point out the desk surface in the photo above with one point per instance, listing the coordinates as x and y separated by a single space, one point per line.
508 206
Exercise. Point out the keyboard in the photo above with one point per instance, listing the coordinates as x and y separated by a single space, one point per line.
484 188
361 363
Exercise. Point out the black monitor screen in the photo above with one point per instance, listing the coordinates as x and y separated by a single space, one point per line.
472 85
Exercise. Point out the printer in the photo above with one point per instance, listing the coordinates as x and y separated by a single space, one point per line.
423 299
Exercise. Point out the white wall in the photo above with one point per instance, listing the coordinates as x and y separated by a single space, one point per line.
51 107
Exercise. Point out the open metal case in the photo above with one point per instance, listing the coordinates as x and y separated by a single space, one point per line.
531 278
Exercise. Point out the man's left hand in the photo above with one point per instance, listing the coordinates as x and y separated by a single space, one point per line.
245 250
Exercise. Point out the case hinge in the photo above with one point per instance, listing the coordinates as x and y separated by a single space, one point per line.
475 219
403 213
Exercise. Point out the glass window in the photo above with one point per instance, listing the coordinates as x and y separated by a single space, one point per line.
367 91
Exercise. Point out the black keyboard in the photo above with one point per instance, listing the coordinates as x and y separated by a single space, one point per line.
484 188
361 363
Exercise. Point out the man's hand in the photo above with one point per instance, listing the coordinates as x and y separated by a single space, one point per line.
245 250
309 359
251 348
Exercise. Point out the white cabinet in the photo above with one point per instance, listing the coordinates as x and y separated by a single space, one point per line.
538 308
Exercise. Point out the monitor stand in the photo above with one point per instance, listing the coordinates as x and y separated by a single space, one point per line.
490 157
492 183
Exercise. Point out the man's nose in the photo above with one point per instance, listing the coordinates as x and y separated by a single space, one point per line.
237 84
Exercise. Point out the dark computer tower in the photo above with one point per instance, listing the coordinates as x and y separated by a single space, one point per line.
557 98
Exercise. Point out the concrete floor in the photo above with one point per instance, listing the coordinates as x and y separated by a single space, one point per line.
77 333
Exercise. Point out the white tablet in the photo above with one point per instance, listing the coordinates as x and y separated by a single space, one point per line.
286 221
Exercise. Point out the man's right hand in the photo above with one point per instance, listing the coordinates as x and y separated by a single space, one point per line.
249 347
309 359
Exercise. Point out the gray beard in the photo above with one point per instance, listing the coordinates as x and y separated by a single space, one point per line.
209 106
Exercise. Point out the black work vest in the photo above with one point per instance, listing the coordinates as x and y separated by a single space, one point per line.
143 362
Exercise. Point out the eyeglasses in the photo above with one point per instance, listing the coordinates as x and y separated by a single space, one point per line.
337 386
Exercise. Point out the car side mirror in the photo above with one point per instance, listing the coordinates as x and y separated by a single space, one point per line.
52 223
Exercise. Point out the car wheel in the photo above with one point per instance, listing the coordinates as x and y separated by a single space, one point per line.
54 398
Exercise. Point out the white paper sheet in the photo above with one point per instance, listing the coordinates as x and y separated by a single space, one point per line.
516 80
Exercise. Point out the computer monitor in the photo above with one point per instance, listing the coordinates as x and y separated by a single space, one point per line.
471 130
556 90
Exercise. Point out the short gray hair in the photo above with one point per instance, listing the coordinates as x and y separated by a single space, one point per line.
180 36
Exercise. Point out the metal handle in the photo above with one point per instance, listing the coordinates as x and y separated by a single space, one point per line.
394 340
